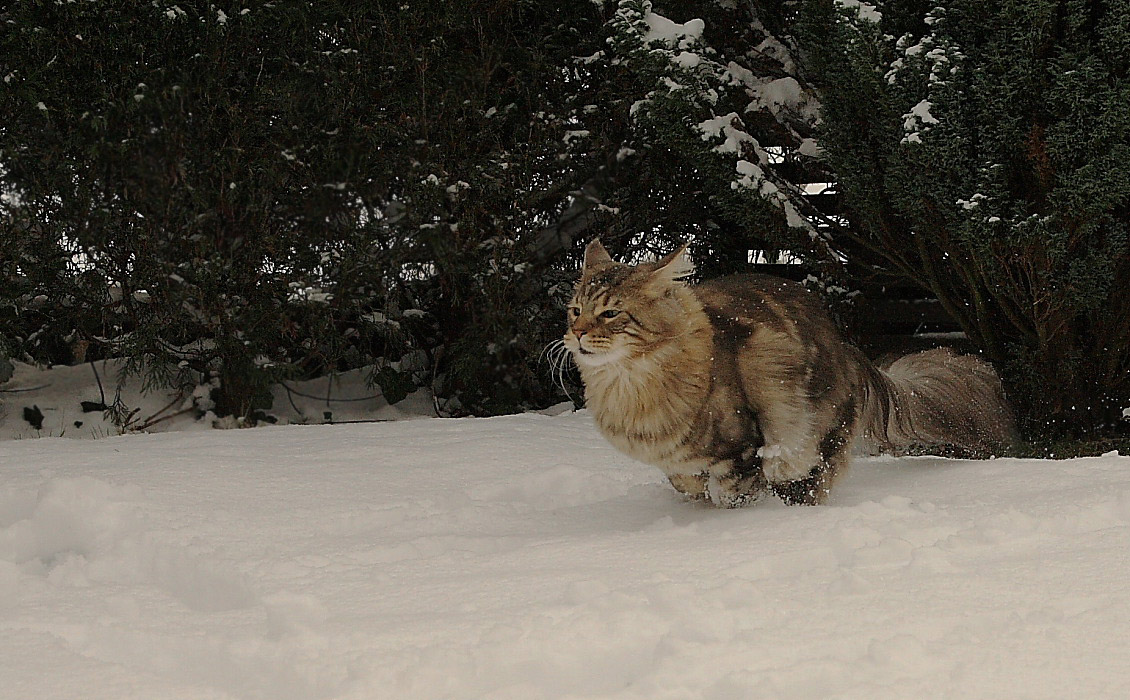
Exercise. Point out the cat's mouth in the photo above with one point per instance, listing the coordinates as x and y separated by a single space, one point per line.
590 358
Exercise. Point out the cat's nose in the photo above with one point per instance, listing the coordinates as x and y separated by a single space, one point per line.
578 332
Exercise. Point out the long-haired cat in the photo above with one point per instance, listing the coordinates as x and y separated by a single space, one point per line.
742 385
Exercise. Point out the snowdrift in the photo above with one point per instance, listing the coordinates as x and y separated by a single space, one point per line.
521 557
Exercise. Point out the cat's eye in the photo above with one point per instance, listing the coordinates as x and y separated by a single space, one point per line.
611 313
575 311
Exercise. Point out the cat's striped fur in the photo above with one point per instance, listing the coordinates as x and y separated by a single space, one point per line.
742 385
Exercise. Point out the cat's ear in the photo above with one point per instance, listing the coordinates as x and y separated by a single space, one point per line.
595 254
675 268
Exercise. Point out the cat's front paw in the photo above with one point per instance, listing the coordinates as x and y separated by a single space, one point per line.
728 492
780 465
690 485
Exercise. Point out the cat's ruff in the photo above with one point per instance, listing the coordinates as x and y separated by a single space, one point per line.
741 386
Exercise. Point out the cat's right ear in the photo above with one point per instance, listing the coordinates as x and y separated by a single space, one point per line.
675 268
595 254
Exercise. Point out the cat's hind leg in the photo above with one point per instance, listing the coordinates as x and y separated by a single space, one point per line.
812 490
835 454
791 451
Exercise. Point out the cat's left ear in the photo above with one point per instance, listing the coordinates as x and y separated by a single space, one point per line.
675 268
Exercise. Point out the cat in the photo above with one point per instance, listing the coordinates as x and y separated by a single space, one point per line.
741 386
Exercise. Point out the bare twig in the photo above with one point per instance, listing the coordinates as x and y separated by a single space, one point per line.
364 420
150 422
98 379
326 398
20 391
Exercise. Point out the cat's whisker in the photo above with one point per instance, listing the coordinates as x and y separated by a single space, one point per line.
559 358
548 350
554 352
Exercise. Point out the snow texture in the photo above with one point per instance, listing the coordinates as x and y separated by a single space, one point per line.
917 120
671 33
735 140
866 11
521 558
59 395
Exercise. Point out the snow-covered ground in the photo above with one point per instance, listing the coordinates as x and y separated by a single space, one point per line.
66 402
521 558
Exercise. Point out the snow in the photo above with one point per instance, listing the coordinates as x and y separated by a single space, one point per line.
971 203
783 94
671 33
521 557
736 141
810 148
782 91
866 11
58 395
771 47
917 120
920 113
686 59
777 95
575 134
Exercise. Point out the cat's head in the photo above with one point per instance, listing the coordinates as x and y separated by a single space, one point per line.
620 312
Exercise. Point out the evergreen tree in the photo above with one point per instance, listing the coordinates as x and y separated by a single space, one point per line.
237 194
178 174
719 124
241 195
981 149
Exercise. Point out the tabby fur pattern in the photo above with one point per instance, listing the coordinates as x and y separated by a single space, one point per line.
742 385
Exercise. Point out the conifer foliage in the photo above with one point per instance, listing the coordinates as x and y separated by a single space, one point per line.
187 187
982 151
230 195
719 110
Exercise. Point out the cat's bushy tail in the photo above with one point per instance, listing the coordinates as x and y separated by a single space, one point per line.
937 397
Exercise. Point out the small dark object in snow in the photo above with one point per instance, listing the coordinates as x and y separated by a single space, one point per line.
328 416
264 417
92 406
78 424
34 417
